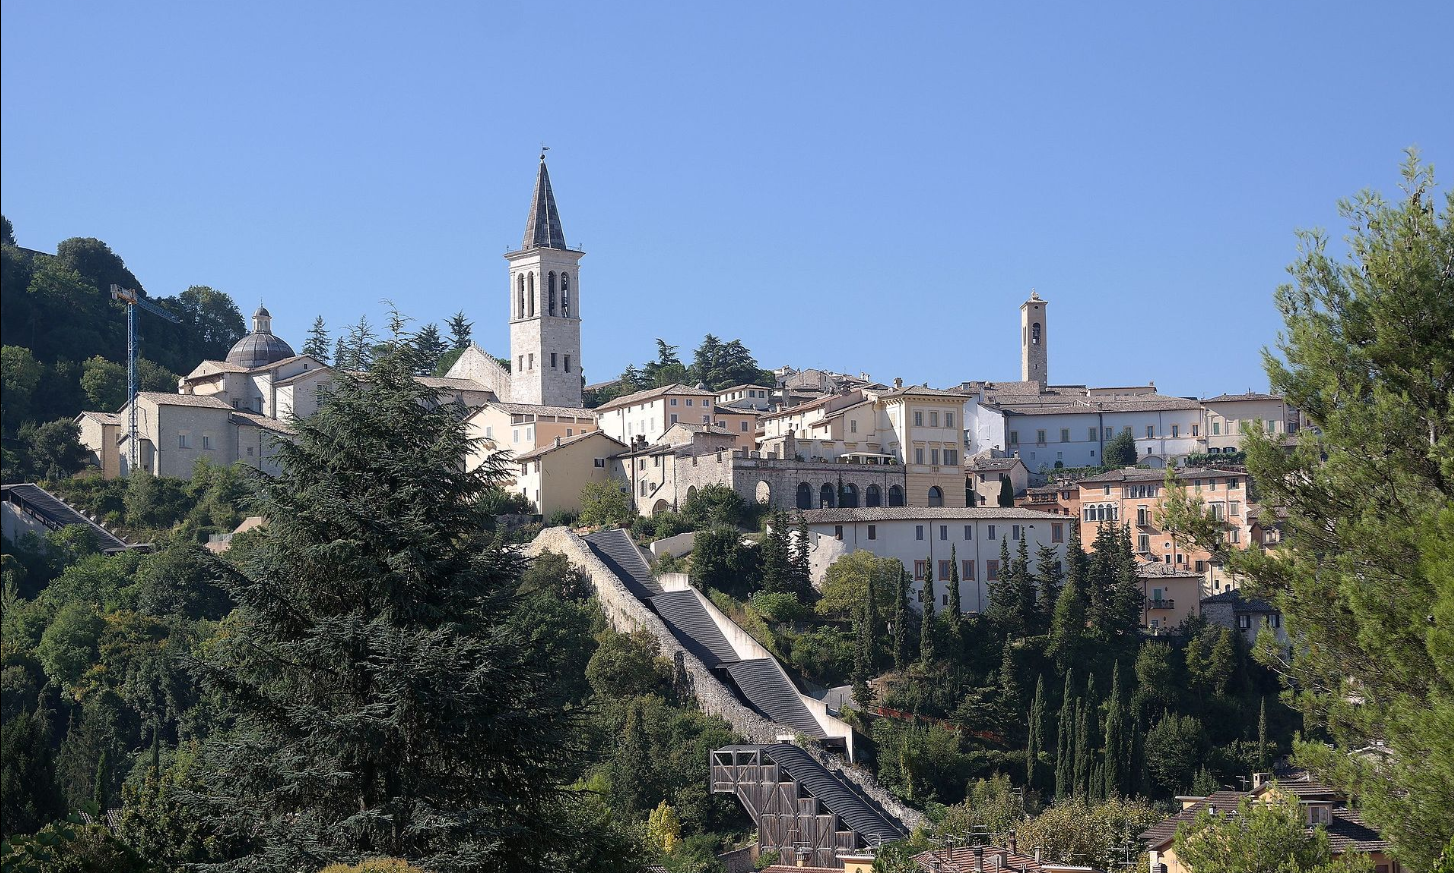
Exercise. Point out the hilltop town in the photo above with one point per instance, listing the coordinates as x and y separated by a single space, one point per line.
327 604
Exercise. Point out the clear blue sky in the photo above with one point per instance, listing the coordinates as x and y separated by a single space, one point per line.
855 186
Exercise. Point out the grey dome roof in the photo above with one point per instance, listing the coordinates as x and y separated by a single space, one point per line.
258 349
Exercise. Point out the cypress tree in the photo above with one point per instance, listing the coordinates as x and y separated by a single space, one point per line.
1049 578
901 620
1065 740
1087 739
1068 625
1262 734
1037 734
387 695
863 656
1082 752
98 786
926 628
1115 751
802 566
958 596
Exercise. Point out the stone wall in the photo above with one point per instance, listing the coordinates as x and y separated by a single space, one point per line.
626 613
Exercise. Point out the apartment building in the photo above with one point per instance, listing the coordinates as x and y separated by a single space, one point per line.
552 475
925 539
1230 416
523 427
648 414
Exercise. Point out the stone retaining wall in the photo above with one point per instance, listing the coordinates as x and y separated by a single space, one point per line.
627 613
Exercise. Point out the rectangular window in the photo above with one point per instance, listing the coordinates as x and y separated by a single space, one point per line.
919 570
1014 438
918 419
599 463
1143 543
992 571
567 363
1150 431
744 426
1143 516
918 531
967 570
1196 430
934 457
1091 433
949 419
1233 483
873 532
552 360
853 425
1175 431
1244 621
1065 434
838 532
530 359
945 569
689 401
943 531
673 401
182 441
1106 433
1201 566
206 441
918 456
969 532
249 451
933 418
946 596
992 533
673 418
1057 532
1233 508
1039 437
1015 532
521 365
570 431
951 457
707 419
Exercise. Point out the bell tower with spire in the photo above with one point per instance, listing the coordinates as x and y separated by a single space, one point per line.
545 308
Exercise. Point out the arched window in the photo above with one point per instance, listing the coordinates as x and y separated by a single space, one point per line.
1035 334
872 496
565 294
850 496
520 297
936 496
550 283
826 498
530 292
805 496
896 496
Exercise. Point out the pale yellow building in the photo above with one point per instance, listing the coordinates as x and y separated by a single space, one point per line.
1230 416
552 476
649 414
523 427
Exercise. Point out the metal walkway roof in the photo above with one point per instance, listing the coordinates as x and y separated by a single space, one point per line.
55 513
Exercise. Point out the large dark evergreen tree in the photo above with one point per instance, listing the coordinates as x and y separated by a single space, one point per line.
382 701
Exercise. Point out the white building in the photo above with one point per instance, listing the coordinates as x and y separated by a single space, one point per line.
923 538
649 414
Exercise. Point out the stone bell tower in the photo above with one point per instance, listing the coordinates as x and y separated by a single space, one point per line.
1034 357
545 309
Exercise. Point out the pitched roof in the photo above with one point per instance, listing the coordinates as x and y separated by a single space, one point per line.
542 451
981 464
909 513
541 409
921 391
450 382
102 417
1164 831
1060 406
542 227
1246 604
162 398
1157 569
252 419
653 393
1250 395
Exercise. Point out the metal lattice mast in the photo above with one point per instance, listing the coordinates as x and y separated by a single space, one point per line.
132 299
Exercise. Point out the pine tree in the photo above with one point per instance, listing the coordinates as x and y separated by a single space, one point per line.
317 342
802 563
1115 749
926 628
1024 582
901 621
459 331
1065 740
778 574
1068 625
341 359
1003 601
1037 734
428 347
376 646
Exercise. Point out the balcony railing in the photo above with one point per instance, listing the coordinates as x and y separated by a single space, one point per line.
1161 604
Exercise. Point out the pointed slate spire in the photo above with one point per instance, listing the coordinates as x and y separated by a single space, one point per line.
542 228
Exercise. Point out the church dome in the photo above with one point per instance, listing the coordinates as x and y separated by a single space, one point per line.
261 347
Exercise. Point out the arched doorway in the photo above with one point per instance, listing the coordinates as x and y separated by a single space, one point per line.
896 496
872 496
805 496
660 506
850 496
936 495
691 492
826 498
764 493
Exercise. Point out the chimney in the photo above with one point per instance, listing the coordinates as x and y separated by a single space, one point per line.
1037 854
898 382
1011 844
557 442
978 856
